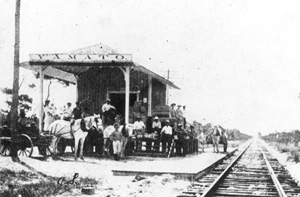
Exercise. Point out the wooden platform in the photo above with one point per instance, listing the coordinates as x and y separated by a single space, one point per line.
191 166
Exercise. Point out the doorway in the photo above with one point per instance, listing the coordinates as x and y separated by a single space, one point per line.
118 101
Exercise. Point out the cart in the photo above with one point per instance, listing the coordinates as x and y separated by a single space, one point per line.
27 137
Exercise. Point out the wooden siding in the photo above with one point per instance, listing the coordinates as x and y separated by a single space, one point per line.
97 81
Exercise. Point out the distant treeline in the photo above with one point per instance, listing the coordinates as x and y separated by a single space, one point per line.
283 137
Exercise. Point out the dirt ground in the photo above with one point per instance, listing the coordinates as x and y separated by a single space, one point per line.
40 178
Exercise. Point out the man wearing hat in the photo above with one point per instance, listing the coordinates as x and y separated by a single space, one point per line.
194 136
105 110
138 129
156 128
179 117
172 111
181 145
166 136
68 112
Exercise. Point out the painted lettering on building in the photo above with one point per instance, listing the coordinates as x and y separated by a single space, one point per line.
96 58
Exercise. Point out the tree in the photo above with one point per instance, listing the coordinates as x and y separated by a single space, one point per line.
24 100
51 81
15 100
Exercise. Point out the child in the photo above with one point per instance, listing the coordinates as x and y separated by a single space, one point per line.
116 138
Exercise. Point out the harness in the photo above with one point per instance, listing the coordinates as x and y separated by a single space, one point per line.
82 127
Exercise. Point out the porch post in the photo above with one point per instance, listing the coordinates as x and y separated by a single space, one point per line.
41 72
149 96
167 94
127 89
77 91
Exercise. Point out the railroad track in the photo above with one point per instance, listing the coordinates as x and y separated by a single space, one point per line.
251 172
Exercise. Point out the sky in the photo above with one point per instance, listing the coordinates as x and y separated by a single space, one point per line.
236 61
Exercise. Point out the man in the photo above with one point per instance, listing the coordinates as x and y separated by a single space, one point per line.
139 130
156 128
167 132
106 108
181 146
68 112
172 111
224 140
179 117
194 139
77 111
116 137
173 116
201 139
216 139
184 116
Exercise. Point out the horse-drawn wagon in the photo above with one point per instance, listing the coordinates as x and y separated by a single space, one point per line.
27 137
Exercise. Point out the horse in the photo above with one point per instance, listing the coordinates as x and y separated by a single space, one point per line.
77 130
126 132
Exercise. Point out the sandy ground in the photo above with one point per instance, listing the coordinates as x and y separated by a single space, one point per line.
292 167
100 169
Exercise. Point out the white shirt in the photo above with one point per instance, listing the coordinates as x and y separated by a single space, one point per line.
167 130
107 107
184 113
138 125
156 124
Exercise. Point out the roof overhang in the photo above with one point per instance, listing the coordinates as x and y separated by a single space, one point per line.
51 72
66 66
156 76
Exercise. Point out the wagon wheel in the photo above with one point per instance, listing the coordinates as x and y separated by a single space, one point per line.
25 145
5 147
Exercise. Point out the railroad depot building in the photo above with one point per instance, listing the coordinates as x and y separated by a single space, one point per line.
102 73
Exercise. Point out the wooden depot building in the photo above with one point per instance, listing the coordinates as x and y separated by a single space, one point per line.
101 73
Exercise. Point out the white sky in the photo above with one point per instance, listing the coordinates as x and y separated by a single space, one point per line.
236 61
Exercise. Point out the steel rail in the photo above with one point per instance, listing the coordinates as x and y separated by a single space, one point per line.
212 188
276 182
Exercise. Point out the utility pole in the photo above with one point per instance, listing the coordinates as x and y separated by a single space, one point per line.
168 74
15 100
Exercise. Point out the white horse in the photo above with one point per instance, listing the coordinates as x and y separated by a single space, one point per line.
107 142
76 130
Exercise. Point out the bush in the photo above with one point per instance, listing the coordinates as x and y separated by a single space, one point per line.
295 156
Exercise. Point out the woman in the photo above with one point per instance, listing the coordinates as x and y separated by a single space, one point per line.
49 116
201 140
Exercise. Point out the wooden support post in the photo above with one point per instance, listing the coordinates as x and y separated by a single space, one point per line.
41 110
167 94
77 90
150 96
127 91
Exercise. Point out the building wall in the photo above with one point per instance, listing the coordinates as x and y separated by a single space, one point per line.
158 93
96 82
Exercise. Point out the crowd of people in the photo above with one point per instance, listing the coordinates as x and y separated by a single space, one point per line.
172 135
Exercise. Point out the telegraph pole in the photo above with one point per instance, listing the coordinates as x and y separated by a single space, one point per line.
15 99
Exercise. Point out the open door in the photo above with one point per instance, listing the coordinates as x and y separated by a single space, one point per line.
118 101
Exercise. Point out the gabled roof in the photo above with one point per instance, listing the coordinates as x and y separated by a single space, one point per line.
67 72
154 75
95 49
